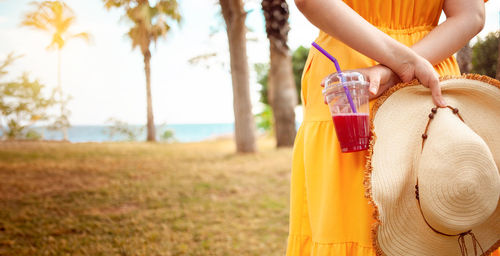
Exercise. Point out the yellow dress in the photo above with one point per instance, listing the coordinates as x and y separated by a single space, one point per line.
329 214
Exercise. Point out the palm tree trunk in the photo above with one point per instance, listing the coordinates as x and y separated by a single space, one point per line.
61 96
284 95
498 61
234 16
147 70
281 87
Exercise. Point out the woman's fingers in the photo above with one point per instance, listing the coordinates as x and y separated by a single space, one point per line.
426 74
373 77
374 84
437 97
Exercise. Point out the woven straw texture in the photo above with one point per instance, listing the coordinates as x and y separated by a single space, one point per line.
395 161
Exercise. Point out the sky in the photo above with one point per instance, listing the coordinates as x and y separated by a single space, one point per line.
106 77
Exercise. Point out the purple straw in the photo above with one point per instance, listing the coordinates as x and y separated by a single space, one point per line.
348 94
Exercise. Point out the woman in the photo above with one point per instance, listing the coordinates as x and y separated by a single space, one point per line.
329 214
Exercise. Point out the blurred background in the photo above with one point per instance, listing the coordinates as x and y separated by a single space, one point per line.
84 83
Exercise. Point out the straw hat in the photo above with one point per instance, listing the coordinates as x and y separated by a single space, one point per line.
432 173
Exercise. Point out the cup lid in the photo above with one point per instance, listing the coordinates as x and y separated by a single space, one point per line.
349 78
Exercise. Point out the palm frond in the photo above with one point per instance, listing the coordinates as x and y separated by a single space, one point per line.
170 8
35 20
150 21
133 34
108 4
11 57
65 23
55 17
35 24
82 35
57 42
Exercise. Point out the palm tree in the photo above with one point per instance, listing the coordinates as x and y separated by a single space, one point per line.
244 124
56 19
150 22
498 61
282 94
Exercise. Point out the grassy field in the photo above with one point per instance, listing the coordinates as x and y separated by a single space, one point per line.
142 199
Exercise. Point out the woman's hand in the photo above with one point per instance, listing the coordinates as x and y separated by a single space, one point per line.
380 77
418 67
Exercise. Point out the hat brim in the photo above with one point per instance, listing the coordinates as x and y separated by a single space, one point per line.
399 119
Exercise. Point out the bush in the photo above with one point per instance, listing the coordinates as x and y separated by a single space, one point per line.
167 136
33 135
485 55
22 104
123 129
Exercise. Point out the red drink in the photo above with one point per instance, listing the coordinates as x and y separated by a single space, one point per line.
353 131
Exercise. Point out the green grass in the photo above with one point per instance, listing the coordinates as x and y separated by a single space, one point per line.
142 199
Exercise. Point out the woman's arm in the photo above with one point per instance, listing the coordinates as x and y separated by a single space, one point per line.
440 43
464 19
339 20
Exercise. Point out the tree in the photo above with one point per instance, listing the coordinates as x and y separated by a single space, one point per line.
262 70
485 55
299 57
498 61
56 19
234 17
464 58
22 104
7 62
281 91
122 129
151 21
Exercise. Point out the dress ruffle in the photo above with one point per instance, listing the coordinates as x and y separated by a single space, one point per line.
303 246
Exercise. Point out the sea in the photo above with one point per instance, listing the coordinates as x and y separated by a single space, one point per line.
101 133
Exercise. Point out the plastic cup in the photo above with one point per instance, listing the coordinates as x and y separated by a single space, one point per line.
353 129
